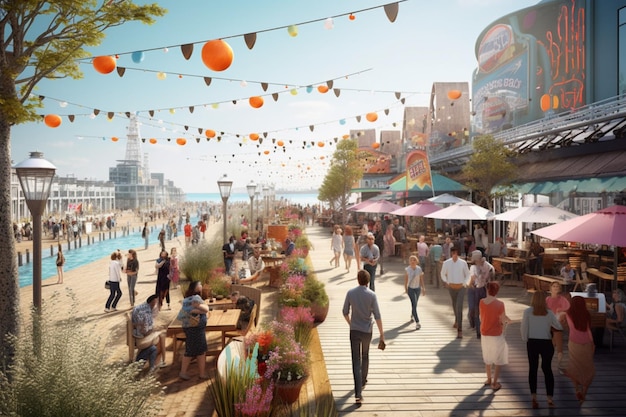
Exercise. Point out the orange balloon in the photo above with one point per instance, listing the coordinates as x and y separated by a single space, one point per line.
181 141
322 89
153 141
254 136
256 101
52 120
209 133
115 138
346 136
371 117
454 94
217 55
104 64
322 157
320 144
280 143
375 145
351 17
266 152
545 102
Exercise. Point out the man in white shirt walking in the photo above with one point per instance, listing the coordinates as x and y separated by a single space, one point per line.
455 276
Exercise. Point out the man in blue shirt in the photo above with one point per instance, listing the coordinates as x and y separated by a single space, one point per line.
363 303
370 253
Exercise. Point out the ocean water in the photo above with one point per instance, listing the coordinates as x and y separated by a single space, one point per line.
295 198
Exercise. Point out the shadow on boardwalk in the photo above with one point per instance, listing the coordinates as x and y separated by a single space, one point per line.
431 373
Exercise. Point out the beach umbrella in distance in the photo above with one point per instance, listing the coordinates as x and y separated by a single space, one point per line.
418 209
447 199
536 213
462 211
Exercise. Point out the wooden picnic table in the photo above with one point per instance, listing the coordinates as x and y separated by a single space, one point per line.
223 320
540 282
272 265
514 265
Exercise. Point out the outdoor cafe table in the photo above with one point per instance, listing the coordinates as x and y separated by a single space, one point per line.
514 265
217 321
272 265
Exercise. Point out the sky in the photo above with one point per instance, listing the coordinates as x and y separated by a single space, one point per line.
368 58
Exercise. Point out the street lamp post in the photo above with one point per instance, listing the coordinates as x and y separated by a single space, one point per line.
266 196
251 190
35 175
225 185
257 195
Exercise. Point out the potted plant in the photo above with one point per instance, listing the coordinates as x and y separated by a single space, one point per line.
301 319
315 293
303 245
290 293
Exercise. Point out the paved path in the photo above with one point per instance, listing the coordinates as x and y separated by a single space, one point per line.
431 373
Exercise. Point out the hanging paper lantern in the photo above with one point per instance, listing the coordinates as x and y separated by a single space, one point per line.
280 143
545 102
138 57
209 133
256 101
454 94
52 120
329 23
371 117
266 152
322 89
254 136
555 102
342 121
217 55
181 141
153 141
309 88
294 91
292 30
320 144
115 138
104 64
172 111
351 17
161 75
375 145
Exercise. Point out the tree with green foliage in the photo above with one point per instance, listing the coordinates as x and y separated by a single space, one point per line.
345 170
41 40
490 165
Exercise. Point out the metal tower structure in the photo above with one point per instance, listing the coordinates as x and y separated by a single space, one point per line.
133 148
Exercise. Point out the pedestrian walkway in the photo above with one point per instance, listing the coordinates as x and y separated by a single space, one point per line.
431 373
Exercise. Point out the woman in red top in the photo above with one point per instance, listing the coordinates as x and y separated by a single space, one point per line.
492 321
559 305
580 368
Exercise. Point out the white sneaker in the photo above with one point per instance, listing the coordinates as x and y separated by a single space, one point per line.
107 310
418 326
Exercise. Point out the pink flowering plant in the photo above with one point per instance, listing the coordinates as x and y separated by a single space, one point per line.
301 319
257 401
290 293
288 361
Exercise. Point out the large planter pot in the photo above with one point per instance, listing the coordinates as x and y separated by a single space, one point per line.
319 312
288 391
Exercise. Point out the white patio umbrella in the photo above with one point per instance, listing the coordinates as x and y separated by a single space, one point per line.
537 213
446 199
381 206
462 211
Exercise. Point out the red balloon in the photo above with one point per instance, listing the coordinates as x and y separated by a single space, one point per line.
52 120
104 64
217 55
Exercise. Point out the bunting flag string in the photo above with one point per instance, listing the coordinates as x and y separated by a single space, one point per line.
390 9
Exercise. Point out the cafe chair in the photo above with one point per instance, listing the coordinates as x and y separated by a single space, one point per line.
243 332
580 281
500 272
620 329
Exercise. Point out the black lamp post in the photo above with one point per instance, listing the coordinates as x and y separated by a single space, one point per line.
35 175
251 190
225 185
257 195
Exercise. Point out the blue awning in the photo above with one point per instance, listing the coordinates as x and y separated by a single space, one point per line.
583 185
440 183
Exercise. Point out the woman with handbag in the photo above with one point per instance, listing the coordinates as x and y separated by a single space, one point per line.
115 278
193 316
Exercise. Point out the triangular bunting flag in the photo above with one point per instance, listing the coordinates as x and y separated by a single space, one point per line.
358 119
143 140
191 108
121 71
336 91
207 80
96 112
391 10
398 94
402 100
71 117
110 115
311 127
386 112
264 134
264 86
151 113
329 83
275 96
187 50
127 114
250 39
186 127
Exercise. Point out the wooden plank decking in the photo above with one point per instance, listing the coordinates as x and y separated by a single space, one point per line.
431 373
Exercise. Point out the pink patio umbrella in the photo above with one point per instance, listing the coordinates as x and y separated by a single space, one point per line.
418 209
380 206
357 206
462 211
536 213
602 227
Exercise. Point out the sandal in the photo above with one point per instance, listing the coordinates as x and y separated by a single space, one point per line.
551 403
487 383
496 387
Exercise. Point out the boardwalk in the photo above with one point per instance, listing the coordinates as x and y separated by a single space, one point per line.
431 373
